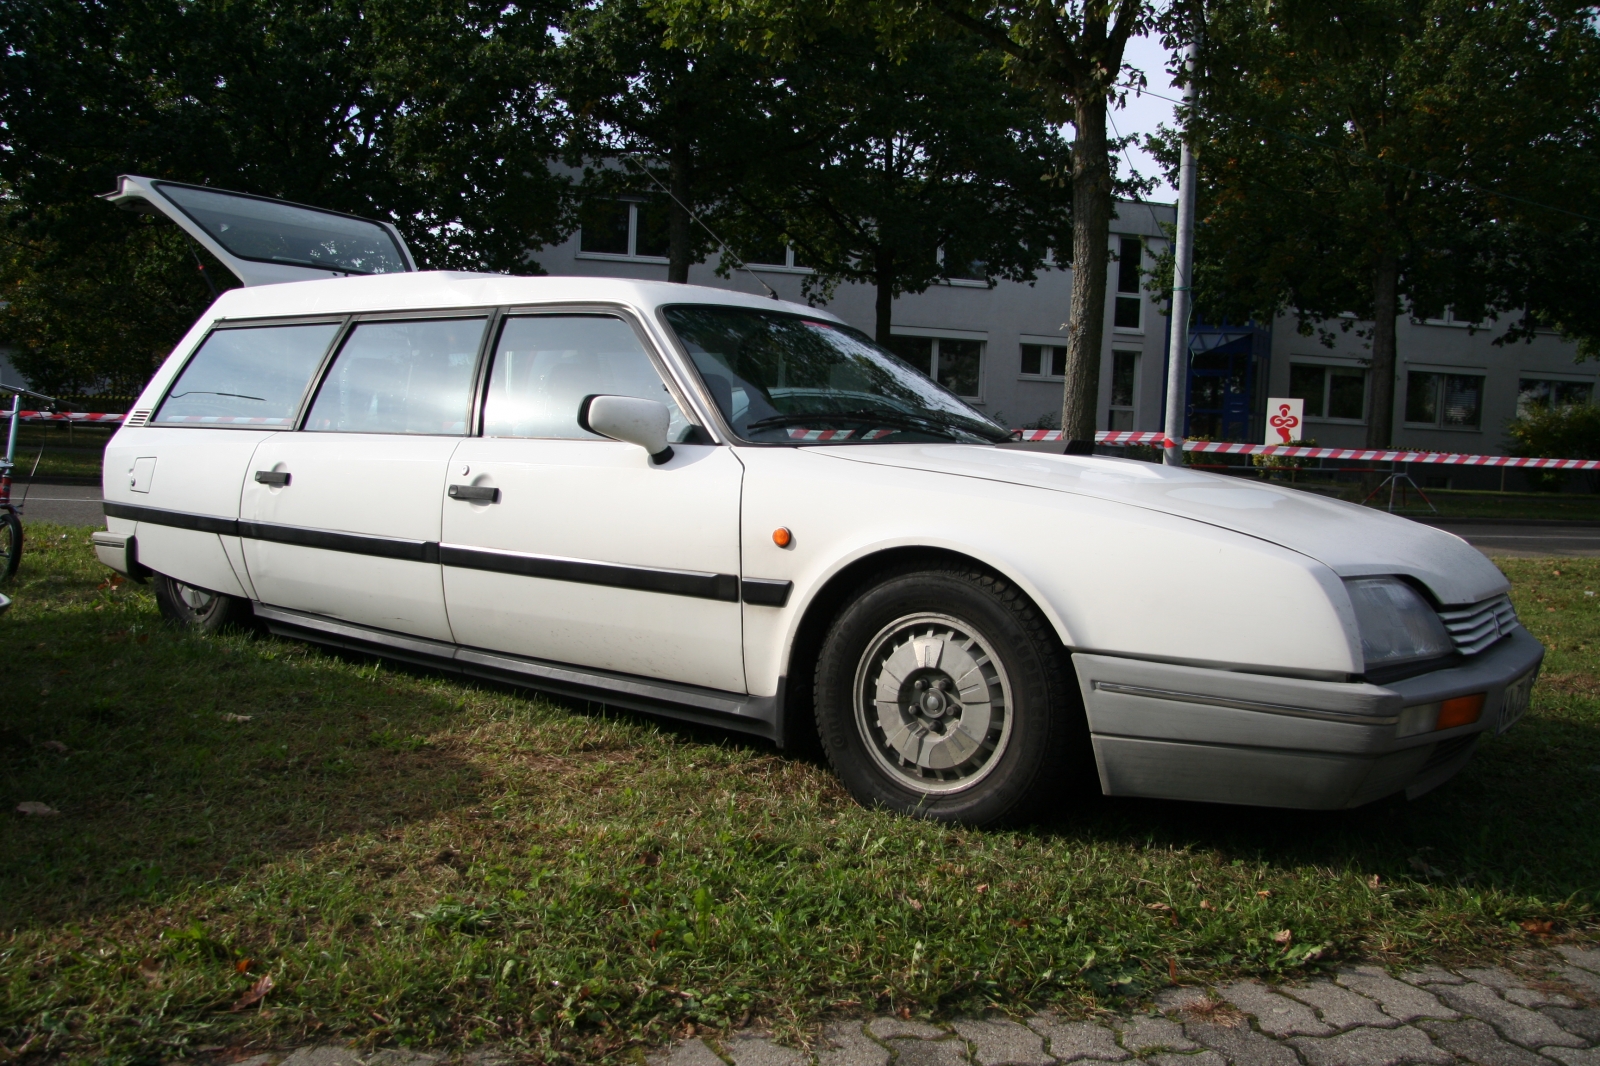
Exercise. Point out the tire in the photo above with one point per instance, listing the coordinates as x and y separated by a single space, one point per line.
903 732
190 607
10 544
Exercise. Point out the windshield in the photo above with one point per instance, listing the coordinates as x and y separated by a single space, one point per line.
272 231
783 378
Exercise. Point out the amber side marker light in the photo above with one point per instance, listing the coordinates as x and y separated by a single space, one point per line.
781 536
1463 710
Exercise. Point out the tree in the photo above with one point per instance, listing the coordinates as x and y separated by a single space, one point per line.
1071 52
690 121
424 112
900 172
1365 156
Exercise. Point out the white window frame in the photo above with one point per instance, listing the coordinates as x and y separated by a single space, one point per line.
632 256
1043 342
1137 294
788 266
1336 363
961 283
1552 376
936 335
1133 408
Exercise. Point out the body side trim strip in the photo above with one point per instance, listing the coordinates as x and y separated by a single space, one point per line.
204 523
767 592
697 583
1243 705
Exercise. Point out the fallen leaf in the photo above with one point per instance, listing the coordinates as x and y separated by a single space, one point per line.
1172 969
53 745
1264 893
1158 906
243 965
257 991
1207 905
982 888
1282 936
35 807
1537 926
1020 923
905 1013
1374 881
237 717
150 970
916 904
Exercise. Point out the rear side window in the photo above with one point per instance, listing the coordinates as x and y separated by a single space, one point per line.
545 365
254 376
401 377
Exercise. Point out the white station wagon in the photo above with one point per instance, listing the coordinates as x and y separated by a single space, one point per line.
742 512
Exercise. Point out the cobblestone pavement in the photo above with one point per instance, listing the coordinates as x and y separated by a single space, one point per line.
1546 1014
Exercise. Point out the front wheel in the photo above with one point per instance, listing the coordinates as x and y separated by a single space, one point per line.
192 607
945 694
10 544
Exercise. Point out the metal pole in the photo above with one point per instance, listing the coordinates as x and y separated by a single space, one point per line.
1182 279
11 433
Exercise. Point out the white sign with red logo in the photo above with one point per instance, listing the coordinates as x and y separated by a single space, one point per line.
1285 418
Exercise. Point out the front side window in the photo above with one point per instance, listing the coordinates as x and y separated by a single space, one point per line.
251 376
401 377
784 378
546 365
1453 401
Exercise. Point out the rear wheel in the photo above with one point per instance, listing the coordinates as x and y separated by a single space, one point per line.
945 694
193 607
10 544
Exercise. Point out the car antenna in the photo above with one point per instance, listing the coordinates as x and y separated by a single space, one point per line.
701 223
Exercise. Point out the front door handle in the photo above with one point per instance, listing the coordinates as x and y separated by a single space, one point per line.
279 478
475 493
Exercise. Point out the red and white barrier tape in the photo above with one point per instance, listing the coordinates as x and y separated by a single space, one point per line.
1119 437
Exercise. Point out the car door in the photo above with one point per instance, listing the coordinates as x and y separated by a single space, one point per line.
564 546
341 518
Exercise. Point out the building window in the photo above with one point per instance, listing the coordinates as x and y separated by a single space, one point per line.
1129 308
1453 401
626 228
1044 360
1124 384
955 364
1538 393
1333 392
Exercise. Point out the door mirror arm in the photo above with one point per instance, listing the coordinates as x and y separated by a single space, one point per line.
632 419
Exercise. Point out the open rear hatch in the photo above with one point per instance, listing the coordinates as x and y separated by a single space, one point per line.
266 241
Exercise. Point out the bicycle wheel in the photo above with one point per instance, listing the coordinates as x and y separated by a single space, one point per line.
10 544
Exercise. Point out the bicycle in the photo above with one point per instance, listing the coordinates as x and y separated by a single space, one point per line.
10 513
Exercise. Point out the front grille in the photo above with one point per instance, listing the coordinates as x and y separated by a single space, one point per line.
1476 627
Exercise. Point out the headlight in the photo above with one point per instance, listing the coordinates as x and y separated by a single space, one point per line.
1396 623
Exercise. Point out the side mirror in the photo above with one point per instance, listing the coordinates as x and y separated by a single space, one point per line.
629 418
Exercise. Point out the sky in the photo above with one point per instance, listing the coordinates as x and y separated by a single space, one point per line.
1144 113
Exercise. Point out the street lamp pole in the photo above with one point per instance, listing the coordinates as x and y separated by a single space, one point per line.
1182 276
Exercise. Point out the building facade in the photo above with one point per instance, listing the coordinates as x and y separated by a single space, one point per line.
1003 348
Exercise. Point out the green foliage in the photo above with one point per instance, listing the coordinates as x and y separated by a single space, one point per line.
1566 431
423 112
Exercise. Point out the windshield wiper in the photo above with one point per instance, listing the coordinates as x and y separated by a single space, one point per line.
867 418
206 392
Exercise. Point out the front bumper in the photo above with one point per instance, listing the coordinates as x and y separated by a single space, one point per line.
1184 732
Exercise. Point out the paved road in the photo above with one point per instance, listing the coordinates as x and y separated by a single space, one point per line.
1484 1016
79 505
70 505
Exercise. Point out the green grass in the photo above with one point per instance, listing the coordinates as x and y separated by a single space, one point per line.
418 860
59 449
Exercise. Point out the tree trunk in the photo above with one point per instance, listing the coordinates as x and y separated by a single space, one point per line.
680 228
1091 235
883 274
1385 308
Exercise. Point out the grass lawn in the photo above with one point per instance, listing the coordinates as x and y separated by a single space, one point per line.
59 449
414 859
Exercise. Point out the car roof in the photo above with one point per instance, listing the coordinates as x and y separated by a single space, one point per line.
429 290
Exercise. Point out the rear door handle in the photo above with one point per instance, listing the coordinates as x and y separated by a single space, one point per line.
475 493
279 478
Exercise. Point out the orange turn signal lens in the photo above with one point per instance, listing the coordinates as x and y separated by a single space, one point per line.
782 537
1463 710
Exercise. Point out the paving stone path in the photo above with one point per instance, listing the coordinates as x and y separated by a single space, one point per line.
1546 1015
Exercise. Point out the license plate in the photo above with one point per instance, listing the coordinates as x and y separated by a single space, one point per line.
1515 704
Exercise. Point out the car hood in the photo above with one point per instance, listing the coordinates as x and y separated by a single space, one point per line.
1351 540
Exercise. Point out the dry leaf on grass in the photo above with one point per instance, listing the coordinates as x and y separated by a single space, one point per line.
257 992
1538 927
1282 936
237 717
35 807
53 745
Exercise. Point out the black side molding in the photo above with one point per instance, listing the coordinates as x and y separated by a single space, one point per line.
765 592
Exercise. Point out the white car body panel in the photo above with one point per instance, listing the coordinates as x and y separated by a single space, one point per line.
375 484
601 501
